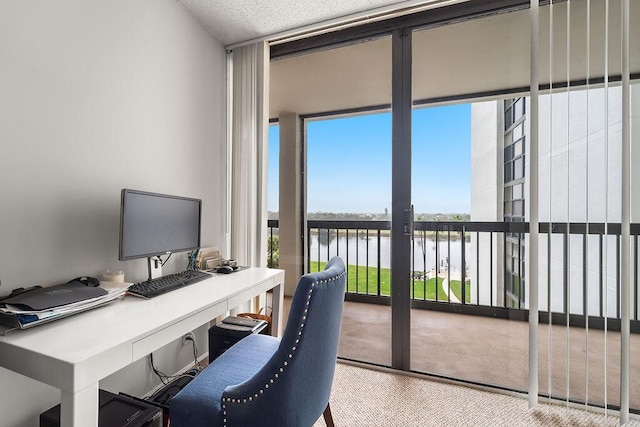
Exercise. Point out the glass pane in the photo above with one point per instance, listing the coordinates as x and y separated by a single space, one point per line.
517 148
508 118
518 168
273 200
508 152
517 132
348 177
447 62
507 193
517 208
517 191
518 109
273 178
507 172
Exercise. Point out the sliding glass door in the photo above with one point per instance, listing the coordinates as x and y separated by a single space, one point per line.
343 101
348 214
470 89
469 188
430 132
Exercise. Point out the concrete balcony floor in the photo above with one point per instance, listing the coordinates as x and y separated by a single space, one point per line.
494 351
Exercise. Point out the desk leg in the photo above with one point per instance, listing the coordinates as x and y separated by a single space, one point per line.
276 314
80 409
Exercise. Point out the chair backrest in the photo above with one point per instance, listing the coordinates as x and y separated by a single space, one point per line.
301 371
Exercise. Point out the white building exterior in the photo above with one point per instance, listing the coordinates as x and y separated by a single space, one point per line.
579 182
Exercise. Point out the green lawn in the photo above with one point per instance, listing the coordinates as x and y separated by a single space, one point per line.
455 287
359 282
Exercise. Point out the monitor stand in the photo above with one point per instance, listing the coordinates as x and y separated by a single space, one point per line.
155 267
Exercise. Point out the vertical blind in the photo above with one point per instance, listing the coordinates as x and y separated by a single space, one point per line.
580 147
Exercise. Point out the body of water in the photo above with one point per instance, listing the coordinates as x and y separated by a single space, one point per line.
363 251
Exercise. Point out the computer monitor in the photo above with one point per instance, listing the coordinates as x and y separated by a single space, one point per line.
153 224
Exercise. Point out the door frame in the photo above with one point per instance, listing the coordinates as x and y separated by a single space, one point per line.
401 223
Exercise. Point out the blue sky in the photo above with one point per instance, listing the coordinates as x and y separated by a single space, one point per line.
349 162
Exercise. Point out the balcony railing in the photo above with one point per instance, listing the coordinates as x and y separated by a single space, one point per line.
479 267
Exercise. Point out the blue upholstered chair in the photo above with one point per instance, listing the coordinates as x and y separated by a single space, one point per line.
265 381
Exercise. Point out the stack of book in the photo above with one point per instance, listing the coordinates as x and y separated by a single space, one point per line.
38 305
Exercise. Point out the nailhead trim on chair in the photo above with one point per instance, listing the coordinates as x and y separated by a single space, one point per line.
285 363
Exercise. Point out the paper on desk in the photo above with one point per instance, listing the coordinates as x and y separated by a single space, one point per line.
113 293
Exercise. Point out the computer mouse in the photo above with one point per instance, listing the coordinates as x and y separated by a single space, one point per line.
225 269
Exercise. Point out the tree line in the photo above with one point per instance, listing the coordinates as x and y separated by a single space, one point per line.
379 217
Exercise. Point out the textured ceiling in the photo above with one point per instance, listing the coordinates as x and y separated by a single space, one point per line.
234 21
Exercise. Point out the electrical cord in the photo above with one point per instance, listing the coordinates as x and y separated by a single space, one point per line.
164 378
157 372
162 263
196 363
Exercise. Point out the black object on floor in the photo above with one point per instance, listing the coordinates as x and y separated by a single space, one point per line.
114 411
166 393
163 396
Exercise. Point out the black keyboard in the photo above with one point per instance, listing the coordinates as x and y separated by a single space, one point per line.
154 287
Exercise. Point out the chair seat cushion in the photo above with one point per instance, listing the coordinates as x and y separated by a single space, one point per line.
199 403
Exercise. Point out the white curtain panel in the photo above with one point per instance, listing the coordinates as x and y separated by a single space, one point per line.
248 147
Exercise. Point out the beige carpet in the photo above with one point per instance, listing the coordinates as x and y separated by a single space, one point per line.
366 397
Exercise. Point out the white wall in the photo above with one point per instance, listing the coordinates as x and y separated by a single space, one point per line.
96 96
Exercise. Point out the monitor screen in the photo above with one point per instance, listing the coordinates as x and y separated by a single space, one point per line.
156 224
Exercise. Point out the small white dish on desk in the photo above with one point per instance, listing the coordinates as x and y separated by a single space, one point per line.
113 276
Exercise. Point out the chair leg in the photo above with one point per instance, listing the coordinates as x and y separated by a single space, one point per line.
328 419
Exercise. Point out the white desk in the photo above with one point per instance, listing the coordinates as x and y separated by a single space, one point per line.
75 353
